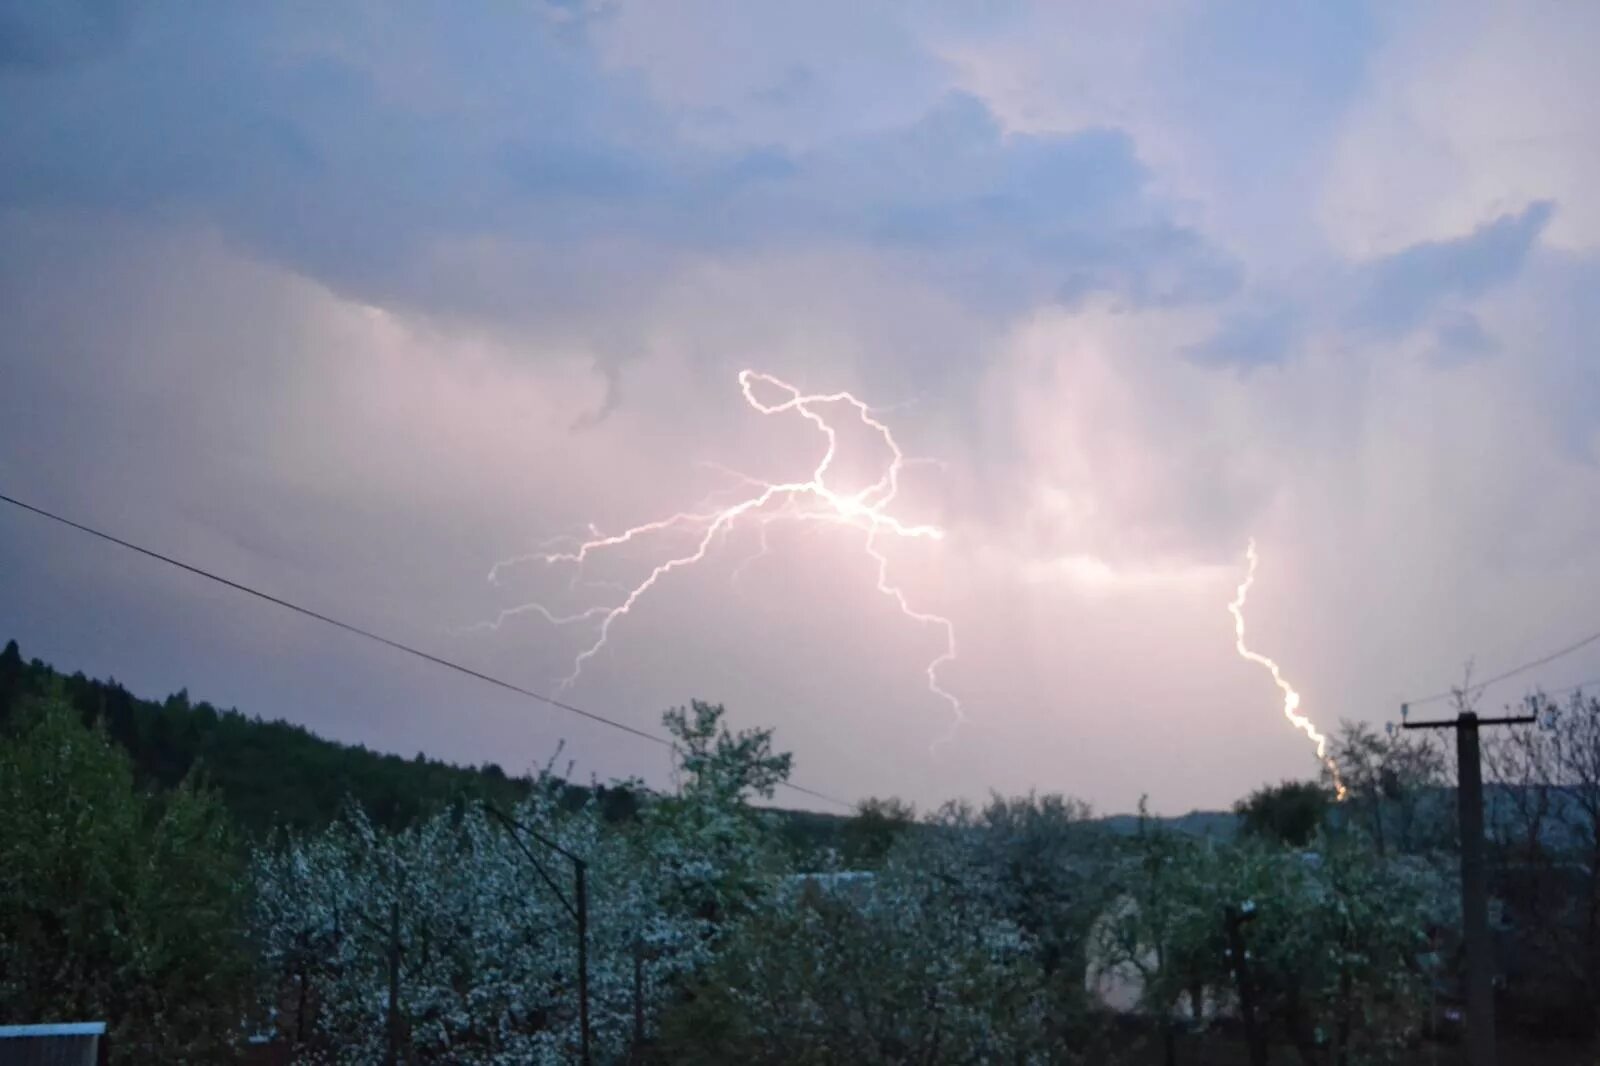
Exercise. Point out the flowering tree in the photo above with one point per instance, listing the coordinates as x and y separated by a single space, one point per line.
908 965
1338 940
1041 863
453 940
1150 938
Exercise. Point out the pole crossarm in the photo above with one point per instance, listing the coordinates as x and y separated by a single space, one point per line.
1452 723
516 828
534 833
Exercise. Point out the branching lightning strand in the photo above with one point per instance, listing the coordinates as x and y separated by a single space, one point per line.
866 510
1291 698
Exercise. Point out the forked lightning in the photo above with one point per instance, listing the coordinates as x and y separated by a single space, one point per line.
810 500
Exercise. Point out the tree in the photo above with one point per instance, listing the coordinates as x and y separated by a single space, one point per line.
1044 868
444 942
1544 824
1397 787
268 773
914 964
13 679
718 765
714 853
1147 938
1337 939
450 940
114 904
872 831
1290 813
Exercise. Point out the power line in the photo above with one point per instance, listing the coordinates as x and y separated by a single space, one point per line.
368 634
1574 688
1475 690
1571 688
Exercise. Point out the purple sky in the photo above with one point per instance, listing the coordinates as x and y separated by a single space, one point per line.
352 303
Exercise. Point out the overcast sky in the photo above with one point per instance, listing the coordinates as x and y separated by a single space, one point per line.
350 301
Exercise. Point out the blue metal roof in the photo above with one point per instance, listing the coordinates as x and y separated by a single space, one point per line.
56 1029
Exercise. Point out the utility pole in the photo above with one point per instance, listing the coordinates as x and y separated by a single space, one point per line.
577 907
392 1055
580 872
1474 877
393 950
1235 918
636 1053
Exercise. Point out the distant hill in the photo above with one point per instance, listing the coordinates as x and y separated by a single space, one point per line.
273 773
1221 825
270 773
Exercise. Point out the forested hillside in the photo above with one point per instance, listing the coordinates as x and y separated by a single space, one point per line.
274 773
269 772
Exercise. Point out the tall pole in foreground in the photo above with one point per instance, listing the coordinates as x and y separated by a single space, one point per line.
1235 919
577 906
580 871
1474 878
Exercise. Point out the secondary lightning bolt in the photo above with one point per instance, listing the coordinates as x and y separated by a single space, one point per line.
1291 698
809 500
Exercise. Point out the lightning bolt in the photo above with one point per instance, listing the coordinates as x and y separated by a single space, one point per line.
810 500
1291 698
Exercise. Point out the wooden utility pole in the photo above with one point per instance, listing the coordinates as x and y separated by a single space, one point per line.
577 907
1235 918
393 950
392 1054
580 872
636 1053
1474 878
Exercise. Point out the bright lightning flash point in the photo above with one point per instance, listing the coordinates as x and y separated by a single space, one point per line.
810 500
1291 698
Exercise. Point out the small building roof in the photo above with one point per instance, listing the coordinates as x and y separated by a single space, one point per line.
53 1029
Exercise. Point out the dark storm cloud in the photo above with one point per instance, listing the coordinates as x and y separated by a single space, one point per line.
1422 286
365 152
46 35
1461 338
1262 334
1397 292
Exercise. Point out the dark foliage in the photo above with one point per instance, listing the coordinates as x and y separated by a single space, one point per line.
1290 813
268 773
877 824
115 903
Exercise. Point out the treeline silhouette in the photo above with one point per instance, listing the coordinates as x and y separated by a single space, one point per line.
271 773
